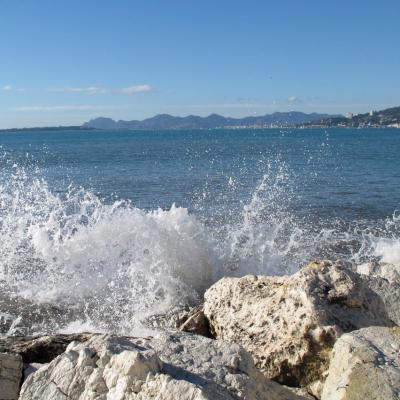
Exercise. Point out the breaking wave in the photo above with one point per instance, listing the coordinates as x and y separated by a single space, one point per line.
74 260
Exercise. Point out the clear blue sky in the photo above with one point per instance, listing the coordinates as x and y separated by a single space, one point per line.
64 62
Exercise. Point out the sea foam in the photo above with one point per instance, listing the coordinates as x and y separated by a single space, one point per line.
107 266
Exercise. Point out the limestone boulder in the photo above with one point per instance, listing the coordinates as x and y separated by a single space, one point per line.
289 324
365 366
384 279
10 375
170 367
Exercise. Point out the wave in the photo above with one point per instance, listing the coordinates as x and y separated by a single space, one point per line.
108 266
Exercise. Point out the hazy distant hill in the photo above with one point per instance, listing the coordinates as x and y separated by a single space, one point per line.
166 121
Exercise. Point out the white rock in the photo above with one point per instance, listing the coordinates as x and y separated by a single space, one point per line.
365 366
289 324
171 367
10 375
384 279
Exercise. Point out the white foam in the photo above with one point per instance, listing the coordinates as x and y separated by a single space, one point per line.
388 250
115 264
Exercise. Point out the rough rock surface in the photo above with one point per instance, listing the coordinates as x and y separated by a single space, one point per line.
171 367
384 279
40 349
10 375
290 324
196 322
185 319
365 366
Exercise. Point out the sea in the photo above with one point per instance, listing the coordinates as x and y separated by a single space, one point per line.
99 230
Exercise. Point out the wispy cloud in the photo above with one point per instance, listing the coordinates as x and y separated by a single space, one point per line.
71 107
224 105
135 89
293 99
9 88
93 90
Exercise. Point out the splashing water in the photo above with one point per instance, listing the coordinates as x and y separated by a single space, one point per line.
266 236
114 263
72 261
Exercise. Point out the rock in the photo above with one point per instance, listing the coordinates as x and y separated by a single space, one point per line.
179 366
40 349
365 366
30 369
169 321
10 375
384 279
303 392
290 324
184 319
197 323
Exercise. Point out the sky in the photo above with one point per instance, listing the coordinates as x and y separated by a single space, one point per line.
65 62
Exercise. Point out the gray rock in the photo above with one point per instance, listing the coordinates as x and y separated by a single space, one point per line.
10 375
39 349
290 324
30 369
196 322
365 366
384 279
171 367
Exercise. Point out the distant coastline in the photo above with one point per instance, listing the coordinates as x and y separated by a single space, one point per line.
46 128
388 118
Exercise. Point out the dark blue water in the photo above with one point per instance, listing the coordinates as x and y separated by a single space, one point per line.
87 217
333 173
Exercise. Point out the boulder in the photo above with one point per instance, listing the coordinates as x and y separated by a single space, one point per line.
384 279
40 349
10 375
365 366
290 323
170 367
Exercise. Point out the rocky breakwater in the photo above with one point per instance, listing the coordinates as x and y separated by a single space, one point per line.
169 367
328 332
365 365
290 324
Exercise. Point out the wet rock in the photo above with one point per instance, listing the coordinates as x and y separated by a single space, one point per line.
179 366
184 319
169 321
10 375
40 349
365 366
290 324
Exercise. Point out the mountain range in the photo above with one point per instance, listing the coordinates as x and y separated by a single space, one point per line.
213 121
